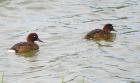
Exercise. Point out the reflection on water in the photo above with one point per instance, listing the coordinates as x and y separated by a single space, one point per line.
109 38
28 54
107 42
62 24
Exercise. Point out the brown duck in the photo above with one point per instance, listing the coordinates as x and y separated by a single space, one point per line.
101 34
28 46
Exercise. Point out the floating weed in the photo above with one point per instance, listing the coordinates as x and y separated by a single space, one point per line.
62 80
135 82
132 82
1 77
83 81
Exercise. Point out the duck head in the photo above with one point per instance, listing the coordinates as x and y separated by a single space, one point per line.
33 37
108 28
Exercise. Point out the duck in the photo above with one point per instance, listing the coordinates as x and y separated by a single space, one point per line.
101 34
29 45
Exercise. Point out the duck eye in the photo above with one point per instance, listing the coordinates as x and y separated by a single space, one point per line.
34 36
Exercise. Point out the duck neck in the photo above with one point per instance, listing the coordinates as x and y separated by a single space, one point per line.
106 31
30 41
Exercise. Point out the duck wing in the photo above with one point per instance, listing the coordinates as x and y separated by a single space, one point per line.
92 33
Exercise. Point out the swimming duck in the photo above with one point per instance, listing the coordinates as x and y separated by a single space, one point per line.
28 46
101 34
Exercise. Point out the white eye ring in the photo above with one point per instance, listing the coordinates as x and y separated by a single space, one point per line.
34 36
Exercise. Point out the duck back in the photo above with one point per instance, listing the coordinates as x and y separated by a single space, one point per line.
24 47
92 33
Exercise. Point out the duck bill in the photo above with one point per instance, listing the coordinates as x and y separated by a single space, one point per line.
39 40
114 30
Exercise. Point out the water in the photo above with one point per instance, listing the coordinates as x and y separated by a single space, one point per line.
65 55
